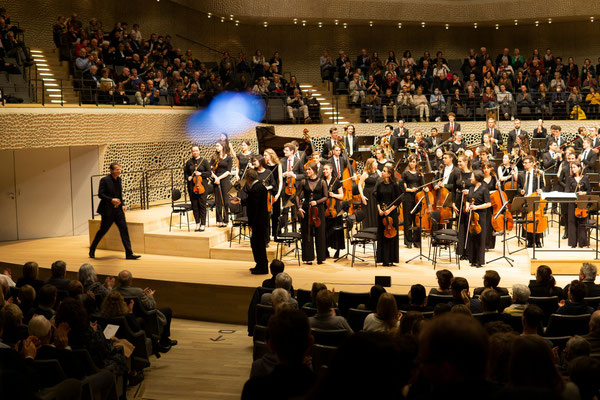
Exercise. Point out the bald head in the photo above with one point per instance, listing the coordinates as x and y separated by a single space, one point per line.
124 278
595 322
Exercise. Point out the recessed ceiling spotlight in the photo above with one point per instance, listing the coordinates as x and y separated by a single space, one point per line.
370 23
537 23
303 22
447 26
475 25
591 19
320 24
337 22
295 21
209 15
497 26
549 20
516 22
222 19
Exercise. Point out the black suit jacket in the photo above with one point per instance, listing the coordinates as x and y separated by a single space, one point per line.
433 142
590 160
256 202
447 127
354 145
497 135
109 189
331 161
550 164
540 134
596 142
512 139
538 181
400 138
327 150
550 139
298 168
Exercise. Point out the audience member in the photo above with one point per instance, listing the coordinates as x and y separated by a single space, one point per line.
30 275
374 294
417 298
386 317
499 358
26 299
316 288
491 280
282 280
444 279
520 297
593 337
14 329
490 301
58 277
575 303
325 319
544 284
88 278
46 297
460 295
587 275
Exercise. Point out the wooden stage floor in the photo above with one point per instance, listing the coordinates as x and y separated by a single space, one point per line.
219 290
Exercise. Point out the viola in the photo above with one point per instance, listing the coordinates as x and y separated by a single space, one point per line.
511 184
290 186
330 209
197 180
539 221
389 231
499 199
474 226
269 202
314 216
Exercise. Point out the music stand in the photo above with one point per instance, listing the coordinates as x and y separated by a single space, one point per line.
420 255
361 155
538 143
552 184
520 205
504 209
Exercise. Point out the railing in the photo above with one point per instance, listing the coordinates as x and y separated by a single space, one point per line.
128 194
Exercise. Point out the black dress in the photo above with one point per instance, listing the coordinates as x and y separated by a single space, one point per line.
335 226
370 209
412 232
243 161
476 242
463 181
380 165
312 236
276 204
222 189
490 240
387 249
576 226
266 179
198 201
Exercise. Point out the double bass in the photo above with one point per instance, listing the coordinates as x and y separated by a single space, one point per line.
499 200
350 182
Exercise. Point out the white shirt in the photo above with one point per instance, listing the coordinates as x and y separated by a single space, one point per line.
585 153
529 178
350 144
447 170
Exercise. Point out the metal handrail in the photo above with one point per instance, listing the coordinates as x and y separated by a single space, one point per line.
141 189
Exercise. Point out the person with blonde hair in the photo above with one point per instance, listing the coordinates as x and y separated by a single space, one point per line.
385 318
114 306
366 187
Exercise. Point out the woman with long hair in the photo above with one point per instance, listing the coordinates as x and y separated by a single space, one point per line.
335 225
507 170
411 179
544 284
461 187
310 199
366 187
275 169
385 318
221 163
243 158
386 192
580 184
489 182
478 202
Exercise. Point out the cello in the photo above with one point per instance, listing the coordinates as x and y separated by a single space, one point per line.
539 221
423 218
499 200
441 194
350 182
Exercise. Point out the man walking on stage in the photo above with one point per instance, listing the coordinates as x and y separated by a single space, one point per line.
111 209
258 220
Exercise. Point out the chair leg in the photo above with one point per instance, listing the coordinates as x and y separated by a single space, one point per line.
179 221
231 234
187 215
297 253
170 221
374 255
353 252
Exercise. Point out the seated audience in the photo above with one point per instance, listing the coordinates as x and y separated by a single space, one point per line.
30 276
58 278
316 288
114 306
275 268
385 318
544 284
46 297
444 279
576 347
26 299
460 295
325 318
417 298
282 280
410 323
88 278
587 275
374 294
520 297
575 303
593 337
295 102
490 301
491 280
14 329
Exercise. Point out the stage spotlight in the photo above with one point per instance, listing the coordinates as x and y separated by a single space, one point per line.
233 113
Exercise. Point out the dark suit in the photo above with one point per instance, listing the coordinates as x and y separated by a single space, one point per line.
590 160
538 183
550 139
433 142
550 164
110 189
540 134
447 127
60 283
334 166
497 135
595 142
354 148
512 139
327 150
258 220
400 138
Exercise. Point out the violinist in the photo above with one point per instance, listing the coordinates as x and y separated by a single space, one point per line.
461 190
495 135
564 172
513 135
540 132
350 142
581 136
478 201
420 145
507 171
588 157
274 166
387 191
337 162
197 166
243 158
411 179
265 176
490 183
310 200
484 156
555 136
457 144
492 148
333 215
388 142
221 162
366 187
293 173
578 183
380 157
552 158
531 181
434 139
327 150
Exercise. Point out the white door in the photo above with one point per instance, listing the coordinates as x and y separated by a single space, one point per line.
8 203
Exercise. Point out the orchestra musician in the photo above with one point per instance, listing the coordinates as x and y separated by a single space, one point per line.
327 150
495 135
274 166
292 167
457 144
334 224
478 200
437 160
448 172
420 145
552 158
381 159
386 192
540 132
197 166
581 135
366 187
507 170
451 126
350 142
265 176
555 136
531 181
310 196
410 180
564 172
484 156
389 142
595 139
461 191
401 135
588 157
578 183
243 158
337 162
489 181
316 157
513 135
434 139
221 163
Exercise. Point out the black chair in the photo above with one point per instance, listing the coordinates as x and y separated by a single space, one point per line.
549 305
515 321
284 237
49 371
238 219
149 317
568 325
179 208
362 237
321 356
484 318
260 333
559 341
401 299
505 301
142 345
435 299
329 337
259 349
356 318
348 300
442 238
303 297
263 313
262 290
309 311
593 302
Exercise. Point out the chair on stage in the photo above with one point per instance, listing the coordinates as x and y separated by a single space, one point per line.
238 219
442 238
567 325
284 237
362 237
356 318
181 208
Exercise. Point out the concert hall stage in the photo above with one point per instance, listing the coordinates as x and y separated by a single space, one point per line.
201 277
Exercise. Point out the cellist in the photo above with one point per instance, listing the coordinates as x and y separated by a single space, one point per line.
489 181
507 171
478 201
578 183
449 174
334 223
461 190
531 181
411 179
197 166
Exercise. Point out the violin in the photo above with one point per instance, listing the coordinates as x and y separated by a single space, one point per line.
389 231
331 210
313 215
474 226
197 180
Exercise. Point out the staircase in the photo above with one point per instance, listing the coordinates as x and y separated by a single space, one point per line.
58 85
329 115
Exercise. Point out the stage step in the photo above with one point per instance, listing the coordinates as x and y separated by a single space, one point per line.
237 252
184 243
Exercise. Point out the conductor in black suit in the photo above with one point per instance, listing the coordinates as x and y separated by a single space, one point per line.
258 220
111 209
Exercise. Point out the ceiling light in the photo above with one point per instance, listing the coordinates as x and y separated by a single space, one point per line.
516 22
423 24
475 25
447 26
370 23
337 22
222 19
303 22
591 19
497 26
399 25
295 21
209 15
237 21
237 24
537 23
549 20
320 24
